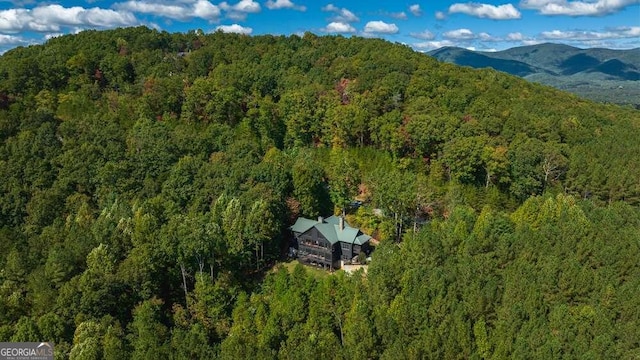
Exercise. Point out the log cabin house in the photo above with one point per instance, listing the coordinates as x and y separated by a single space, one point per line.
327 242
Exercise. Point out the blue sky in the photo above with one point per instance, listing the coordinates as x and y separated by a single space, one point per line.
423 25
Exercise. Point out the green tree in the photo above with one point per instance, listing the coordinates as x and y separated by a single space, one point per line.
394 192
26 329
360 340
308 186
114 344
86 341
526 157
463 158
260 227
191 344
343 177
148 336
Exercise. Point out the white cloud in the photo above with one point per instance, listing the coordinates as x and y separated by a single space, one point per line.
240 10
535 4
380 27
429 45
627 31
423 35
144 7
245 6
11 40
515 36
501 12
415 9
339 27
459 34
614 33
205 10
483 36
342 15
51 18
178 11
235 28
284 4
577 8
440 15
399 15
56 14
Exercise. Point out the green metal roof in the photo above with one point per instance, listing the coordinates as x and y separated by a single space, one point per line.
302 225
330 229
334 220
362 239
347 235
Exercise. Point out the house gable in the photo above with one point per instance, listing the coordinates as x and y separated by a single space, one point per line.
302 225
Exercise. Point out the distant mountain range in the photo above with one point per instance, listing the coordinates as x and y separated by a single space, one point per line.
599 74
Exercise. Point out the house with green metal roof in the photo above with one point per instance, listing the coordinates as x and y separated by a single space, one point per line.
327 242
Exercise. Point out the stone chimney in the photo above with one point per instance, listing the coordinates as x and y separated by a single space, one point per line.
341 223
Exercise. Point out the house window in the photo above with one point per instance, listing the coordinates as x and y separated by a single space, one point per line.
345 246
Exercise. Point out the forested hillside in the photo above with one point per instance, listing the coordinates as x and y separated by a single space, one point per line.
147 181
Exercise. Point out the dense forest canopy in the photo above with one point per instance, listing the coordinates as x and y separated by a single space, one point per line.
147 181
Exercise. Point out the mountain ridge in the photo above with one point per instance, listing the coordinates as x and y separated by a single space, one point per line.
591 73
